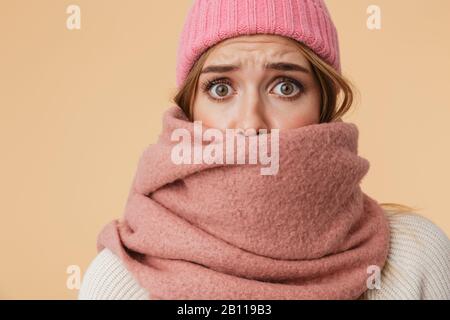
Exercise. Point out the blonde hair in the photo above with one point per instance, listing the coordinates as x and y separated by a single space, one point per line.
335 90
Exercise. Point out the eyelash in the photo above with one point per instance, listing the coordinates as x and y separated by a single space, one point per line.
208 84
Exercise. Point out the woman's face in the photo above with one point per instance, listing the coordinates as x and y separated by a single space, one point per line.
257 82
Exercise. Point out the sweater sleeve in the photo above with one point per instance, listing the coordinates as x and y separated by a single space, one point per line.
107 279
418 264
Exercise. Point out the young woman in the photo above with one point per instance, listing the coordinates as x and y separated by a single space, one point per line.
218 231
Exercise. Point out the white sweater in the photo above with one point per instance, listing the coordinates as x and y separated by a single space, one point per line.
418 267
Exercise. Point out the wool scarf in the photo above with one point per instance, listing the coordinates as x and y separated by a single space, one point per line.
214 230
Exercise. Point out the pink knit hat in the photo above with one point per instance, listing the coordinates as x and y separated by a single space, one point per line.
211 21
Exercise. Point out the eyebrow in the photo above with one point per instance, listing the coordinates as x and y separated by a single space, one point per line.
282 66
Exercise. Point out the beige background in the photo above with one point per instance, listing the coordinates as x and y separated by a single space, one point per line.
78 107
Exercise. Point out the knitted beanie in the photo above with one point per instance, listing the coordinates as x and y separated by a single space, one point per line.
211 21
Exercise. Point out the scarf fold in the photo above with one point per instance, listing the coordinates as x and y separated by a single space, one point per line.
225 231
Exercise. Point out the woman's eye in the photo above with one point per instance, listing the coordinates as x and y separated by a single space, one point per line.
286 88
220 90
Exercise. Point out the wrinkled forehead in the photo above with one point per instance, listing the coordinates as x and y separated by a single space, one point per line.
256 50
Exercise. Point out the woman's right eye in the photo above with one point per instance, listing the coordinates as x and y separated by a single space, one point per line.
220 90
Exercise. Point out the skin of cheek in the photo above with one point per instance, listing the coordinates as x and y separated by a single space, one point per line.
212 114
294 114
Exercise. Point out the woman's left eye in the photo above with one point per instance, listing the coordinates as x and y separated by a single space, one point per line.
287 88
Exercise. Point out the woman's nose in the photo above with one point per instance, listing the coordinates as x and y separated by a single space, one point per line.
251 114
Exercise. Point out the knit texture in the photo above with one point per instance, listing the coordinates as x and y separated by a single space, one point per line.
210 21
108 279
219 229
418 267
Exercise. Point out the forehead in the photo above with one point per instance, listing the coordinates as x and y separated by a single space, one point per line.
256 48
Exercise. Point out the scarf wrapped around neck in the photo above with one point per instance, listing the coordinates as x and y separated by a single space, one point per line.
226 231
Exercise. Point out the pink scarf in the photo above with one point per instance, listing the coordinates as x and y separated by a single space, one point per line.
224 231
